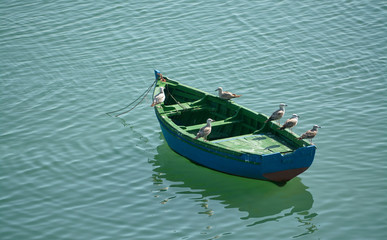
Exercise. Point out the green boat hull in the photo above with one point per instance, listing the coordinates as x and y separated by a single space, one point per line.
240 143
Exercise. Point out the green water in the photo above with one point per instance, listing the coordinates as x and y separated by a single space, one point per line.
69 171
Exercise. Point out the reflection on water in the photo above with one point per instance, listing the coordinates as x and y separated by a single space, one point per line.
262 201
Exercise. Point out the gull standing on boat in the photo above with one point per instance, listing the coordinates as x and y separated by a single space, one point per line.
159 98
291 122
225 94
277 115
205 131
310 134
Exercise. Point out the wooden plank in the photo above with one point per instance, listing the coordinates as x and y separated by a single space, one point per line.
213 124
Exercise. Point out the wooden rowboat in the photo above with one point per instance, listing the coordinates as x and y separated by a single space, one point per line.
240 143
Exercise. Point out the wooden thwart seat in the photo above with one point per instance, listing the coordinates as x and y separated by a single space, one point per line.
213 124
185 106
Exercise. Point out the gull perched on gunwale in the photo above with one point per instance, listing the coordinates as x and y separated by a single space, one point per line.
291 122
205 131
159 98
226 95
277 115
310 134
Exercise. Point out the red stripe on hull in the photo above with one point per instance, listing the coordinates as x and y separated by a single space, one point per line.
284 176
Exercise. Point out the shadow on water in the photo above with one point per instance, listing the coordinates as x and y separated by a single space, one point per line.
261 200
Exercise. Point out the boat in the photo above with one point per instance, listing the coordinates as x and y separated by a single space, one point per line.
240 143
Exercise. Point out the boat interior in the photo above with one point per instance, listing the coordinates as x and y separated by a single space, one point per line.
233 126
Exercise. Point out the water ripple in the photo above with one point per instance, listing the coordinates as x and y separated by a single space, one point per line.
70 171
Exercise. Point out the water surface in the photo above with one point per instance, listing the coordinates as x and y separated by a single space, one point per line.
69 171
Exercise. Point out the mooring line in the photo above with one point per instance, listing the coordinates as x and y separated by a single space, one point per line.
143 95
169 93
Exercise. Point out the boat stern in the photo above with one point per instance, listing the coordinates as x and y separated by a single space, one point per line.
282 168
285 175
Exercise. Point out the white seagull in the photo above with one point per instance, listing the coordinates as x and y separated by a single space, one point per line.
226 95
310 134
277 115
159 98
205 131
291 122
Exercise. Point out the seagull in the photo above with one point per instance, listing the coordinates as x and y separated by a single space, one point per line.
159 98
205 131
291 122
310 134
277 115
226 95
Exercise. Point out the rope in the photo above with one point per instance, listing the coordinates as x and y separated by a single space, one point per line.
175 99
143 95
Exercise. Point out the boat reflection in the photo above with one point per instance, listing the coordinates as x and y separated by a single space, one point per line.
259 199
